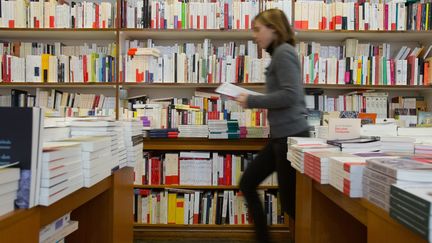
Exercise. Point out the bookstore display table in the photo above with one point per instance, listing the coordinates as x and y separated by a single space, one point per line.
323 214
104 212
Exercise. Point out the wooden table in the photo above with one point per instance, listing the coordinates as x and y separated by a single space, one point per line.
324 214
104 213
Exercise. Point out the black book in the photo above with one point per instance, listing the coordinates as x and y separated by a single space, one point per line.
21 142
18 98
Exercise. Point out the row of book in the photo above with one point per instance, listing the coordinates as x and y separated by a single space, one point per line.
187 207
194 63
225 14
23 49
363 16
200 109
62 69
51 14
195 168
62 103
364 64
369 102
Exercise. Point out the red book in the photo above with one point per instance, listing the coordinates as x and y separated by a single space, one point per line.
228 170
191 21
226 14
386 17
418 17
198 22
85 68
238 24
205 22
96 23
356 13
247 21
157 15
51 22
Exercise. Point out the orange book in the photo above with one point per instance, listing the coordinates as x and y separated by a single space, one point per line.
367 118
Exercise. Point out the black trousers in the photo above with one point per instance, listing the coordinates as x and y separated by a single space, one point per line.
273 157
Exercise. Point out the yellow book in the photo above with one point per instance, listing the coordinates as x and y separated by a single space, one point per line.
427 17
359 71
45 67
179 218
253 118
369 74
172 204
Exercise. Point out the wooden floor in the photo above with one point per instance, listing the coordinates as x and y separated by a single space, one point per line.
204 241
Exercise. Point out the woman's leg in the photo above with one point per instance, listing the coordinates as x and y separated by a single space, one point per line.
261 167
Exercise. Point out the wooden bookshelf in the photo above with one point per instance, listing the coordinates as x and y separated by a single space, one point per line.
186 34
323 214
233 232
191 187
104 207
23 34
368 36
177 144
262 86
367 87
98 85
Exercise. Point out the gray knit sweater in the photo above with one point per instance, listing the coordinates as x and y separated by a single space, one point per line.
284 96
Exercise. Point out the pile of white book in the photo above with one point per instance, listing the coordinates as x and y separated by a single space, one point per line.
61 171
381 173
96 158
99 127
317 164
298 146
346 174
397 144
9 180
193 131
133 140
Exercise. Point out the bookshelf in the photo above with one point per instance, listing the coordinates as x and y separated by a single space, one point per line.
104 207
118 35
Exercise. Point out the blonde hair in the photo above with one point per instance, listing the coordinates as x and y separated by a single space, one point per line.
276 19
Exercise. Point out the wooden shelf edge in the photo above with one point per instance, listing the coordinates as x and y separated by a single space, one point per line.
204 226
73 201
353 206
60 85
15 216
58 29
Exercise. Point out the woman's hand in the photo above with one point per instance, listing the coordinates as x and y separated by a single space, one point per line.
242 100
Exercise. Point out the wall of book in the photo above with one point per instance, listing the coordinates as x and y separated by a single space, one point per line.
52 14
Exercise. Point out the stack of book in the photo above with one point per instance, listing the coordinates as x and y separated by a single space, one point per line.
61 171
357 145
193 131
122 159
223 129
133 139
9 178
99 127
96 158
254 132
196 168
411 206
316 165
54 131
397 144
346 174
296 153
423 148
381 130
163 133
381 173
58 230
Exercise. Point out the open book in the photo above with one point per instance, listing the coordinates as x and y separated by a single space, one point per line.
232 90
